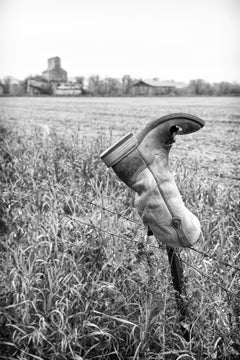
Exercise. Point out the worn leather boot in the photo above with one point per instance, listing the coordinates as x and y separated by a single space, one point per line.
141 162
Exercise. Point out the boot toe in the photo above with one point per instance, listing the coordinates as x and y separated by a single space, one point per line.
164 129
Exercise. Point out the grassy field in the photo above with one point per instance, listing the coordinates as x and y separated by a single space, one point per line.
74 284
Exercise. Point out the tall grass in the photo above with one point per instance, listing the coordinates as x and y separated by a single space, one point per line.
75 291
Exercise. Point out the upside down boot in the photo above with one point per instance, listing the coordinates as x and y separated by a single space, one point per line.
141 162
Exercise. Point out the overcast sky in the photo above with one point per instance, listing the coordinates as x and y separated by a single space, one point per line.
168 39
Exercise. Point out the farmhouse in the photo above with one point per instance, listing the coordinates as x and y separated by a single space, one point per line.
153 87
55 73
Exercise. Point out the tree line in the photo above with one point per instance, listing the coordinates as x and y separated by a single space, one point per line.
110 86
116 87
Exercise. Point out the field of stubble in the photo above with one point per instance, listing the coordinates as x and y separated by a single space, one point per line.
73 283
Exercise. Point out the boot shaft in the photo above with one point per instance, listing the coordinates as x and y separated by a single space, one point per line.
125 159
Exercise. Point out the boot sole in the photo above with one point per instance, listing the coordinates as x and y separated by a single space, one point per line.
171 117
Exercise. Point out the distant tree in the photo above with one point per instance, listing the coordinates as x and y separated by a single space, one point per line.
127 83
235 89
6 84
80 79
199 87
226 88
112 86
93 84
104 87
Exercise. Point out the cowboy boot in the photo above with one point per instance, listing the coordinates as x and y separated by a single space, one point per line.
141 162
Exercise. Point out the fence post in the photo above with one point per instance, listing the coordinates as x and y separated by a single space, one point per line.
179 287
180 290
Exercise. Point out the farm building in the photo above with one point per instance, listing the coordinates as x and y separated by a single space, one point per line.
14 87
68 89
54 71
153 87
35 87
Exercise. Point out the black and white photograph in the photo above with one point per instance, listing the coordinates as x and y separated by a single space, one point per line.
119 180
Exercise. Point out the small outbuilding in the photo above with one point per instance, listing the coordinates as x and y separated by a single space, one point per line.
14 87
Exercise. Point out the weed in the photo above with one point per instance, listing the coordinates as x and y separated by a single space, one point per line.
76 291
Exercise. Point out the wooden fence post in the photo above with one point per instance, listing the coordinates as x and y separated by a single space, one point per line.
179 287
180 290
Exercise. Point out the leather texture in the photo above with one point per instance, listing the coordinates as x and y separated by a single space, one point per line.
188 222
145 169
154 212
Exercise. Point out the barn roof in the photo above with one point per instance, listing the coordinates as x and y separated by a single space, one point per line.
158 83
